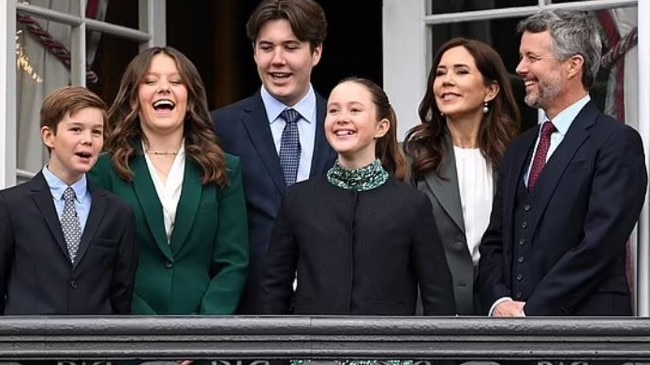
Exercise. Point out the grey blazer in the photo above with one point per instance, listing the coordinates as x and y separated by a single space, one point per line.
447 210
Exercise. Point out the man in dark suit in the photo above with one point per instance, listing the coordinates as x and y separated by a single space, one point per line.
67 247
277 132
569 192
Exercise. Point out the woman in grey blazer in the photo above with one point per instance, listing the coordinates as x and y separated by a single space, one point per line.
469 116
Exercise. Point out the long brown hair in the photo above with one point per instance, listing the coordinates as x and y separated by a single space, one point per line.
387 148
426 141
124 120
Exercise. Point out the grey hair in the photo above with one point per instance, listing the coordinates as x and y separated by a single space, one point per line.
573 32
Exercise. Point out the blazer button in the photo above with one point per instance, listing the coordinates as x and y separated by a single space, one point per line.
524 224
520 259
73 284
168 264
527 207
520 277
518 295
522 242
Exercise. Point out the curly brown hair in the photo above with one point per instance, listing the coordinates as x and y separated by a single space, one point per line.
426 141
124 121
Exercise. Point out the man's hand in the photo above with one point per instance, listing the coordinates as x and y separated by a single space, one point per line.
509 308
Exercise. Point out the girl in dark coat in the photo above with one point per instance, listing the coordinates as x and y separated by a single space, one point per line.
360 240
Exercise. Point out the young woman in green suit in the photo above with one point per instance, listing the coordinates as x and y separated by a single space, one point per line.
163 158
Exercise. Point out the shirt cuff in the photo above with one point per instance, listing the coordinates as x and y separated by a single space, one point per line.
497 302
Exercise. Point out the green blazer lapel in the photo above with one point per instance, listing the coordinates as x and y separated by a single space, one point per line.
188 204
145 191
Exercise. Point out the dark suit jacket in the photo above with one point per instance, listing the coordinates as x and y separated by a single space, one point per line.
243 130
203 269
36 275
581 213
359 253
444 193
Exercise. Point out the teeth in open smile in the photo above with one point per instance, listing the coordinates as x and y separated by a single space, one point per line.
163 104
344 133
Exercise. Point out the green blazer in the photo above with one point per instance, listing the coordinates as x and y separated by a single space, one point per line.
203 269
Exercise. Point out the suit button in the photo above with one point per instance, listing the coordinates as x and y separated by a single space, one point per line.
520 277
524 224
518 295
522 242
168 264
527 207
73 284
520 259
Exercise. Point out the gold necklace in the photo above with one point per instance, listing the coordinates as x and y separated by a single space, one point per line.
162 153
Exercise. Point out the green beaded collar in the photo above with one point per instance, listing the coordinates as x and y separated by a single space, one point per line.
363 179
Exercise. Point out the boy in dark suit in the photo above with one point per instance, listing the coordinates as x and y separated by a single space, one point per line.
65 246
277 132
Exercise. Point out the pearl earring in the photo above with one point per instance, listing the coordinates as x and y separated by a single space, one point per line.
486 109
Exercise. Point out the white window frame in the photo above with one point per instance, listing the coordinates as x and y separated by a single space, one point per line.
407 56
151 32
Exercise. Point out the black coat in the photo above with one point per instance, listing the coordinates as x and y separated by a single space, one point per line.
36 274
360 253
243 129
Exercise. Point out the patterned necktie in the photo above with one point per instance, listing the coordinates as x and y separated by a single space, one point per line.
539 161
70 223
290 146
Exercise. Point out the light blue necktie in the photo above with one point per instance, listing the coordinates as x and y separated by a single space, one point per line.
290 146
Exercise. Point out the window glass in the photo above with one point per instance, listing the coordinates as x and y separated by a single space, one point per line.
615 90
455 6
43 66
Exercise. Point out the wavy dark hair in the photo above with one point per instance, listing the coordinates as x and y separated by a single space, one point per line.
124 121
306 17
387 148
426 141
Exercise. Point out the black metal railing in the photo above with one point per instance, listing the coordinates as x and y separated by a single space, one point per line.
237 338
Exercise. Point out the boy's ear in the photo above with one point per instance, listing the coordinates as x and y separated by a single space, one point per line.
47 135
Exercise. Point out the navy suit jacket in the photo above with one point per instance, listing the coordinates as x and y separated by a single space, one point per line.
36 275
243 130
579 217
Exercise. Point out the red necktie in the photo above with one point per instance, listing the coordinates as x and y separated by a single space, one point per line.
540 155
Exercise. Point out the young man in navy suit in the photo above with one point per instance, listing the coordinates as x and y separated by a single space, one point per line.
569 192
278 131
65 246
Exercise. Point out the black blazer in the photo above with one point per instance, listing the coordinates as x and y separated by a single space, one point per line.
579 217
359 253
243 130
444 193
36 276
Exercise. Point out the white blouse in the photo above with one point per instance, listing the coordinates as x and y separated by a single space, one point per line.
476 191
169 192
